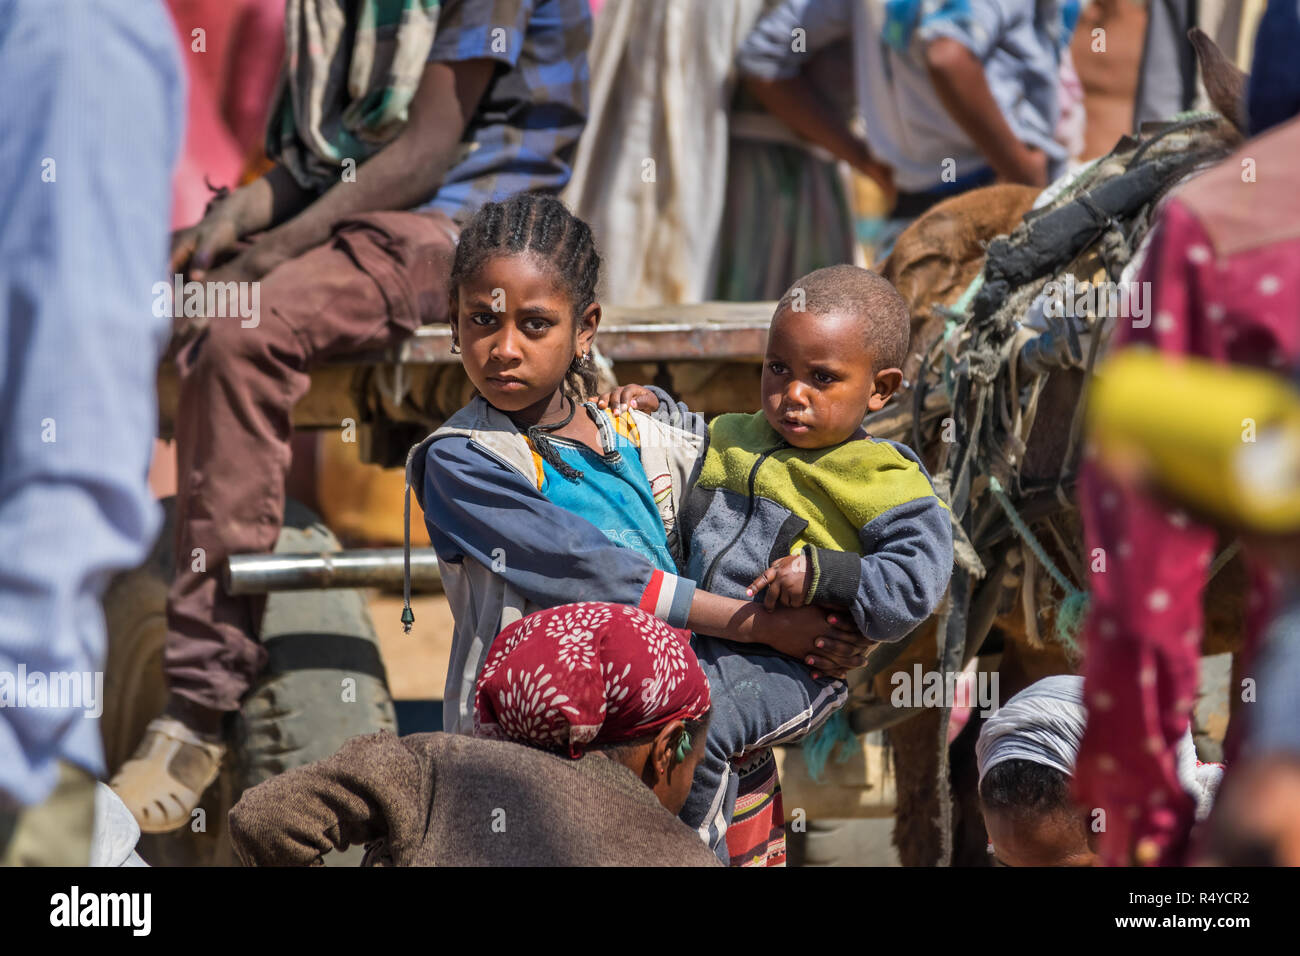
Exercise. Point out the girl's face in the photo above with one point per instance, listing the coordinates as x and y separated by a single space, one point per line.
517 332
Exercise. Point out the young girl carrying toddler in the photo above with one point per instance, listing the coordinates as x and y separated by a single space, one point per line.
533 496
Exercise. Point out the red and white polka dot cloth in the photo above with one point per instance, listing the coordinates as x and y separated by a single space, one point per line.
1224 268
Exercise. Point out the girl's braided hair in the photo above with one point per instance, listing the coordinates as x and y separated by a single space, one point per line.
543 227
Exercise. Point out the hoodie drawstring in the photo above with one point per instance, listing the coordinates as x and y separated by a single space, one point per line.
537 434
408 616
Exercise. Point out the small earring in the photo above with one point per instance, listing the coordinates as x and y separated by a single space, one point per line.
455 347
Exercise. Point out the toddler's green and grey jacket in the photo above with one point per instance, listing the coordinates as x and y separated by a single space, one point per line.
878 537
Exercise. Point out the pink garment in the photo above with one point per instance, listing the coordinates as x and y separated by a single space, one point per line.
1224 268
232 51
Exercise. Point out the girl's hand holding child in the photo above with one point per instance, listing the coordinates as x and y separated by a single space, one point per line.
787 582
828 644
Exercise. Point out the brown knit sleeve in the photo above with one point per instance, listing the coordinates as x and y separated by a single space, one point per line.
375 787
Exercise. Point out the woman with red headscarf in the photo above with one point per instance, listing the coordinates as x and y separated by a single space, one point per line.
590 720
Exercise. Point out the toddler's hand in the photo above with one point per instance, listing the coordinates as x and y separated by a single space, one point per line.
786 582
627 397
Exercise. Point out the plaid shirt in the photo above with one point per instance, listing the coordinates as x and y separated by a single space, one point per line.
525 132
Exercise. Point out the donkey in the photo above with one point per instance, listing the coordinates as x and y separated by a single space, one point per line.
932 264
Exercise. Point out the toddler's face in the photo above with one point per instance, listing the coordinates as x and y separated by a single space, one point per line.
818 378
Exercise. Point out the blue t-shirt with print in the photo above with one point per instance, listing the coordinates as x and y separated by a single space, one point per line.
613 494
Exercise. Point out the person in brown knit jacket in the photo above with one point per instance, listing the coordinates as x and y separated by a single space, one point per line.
597 708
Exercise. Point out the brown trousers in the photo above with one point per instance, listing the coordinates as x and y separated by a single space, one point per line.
378 278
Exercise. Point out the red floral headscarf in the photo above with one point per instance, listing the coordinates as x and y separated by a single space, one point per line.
582 674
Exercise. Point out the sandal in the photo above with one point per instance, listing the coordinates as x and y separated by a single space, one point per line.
163 781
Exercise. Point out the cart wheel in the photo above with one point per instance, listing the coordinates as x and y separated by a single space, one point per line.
324 684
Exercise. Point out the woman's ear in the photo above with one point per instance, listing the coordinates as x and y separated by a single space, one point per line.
886 382
588 322
663 751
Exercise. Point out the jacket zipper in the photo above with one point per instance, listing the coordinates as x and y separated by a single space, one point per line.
749 513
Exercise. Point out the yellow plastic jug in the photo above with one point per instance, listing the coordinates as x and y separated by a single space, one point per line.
1225 440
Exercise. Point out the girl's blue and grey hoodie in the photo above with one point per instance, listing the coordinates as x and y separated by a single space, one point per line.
505 550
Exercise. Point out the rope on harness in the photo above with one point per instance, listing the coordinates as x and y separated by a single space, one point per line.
1226 555
952 635
1071 611
956 317
967 297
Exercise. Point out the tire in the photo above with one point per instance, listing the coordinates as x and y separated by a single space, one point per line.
324 683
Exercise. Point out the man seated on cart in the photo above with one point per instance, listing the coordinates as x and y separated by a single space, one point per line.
350 235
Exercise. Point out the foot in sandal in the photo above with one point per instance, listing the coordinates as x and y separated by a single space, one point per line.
164 780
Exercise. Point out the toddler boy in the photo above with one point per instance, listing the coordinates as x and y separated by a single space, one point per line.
796 503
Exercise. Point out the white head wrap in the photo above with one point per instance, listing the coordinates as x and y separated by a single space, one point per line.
115 831
1044 724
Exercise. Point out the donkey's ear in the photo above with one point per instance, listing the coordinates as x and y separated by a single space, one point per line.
1225 84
